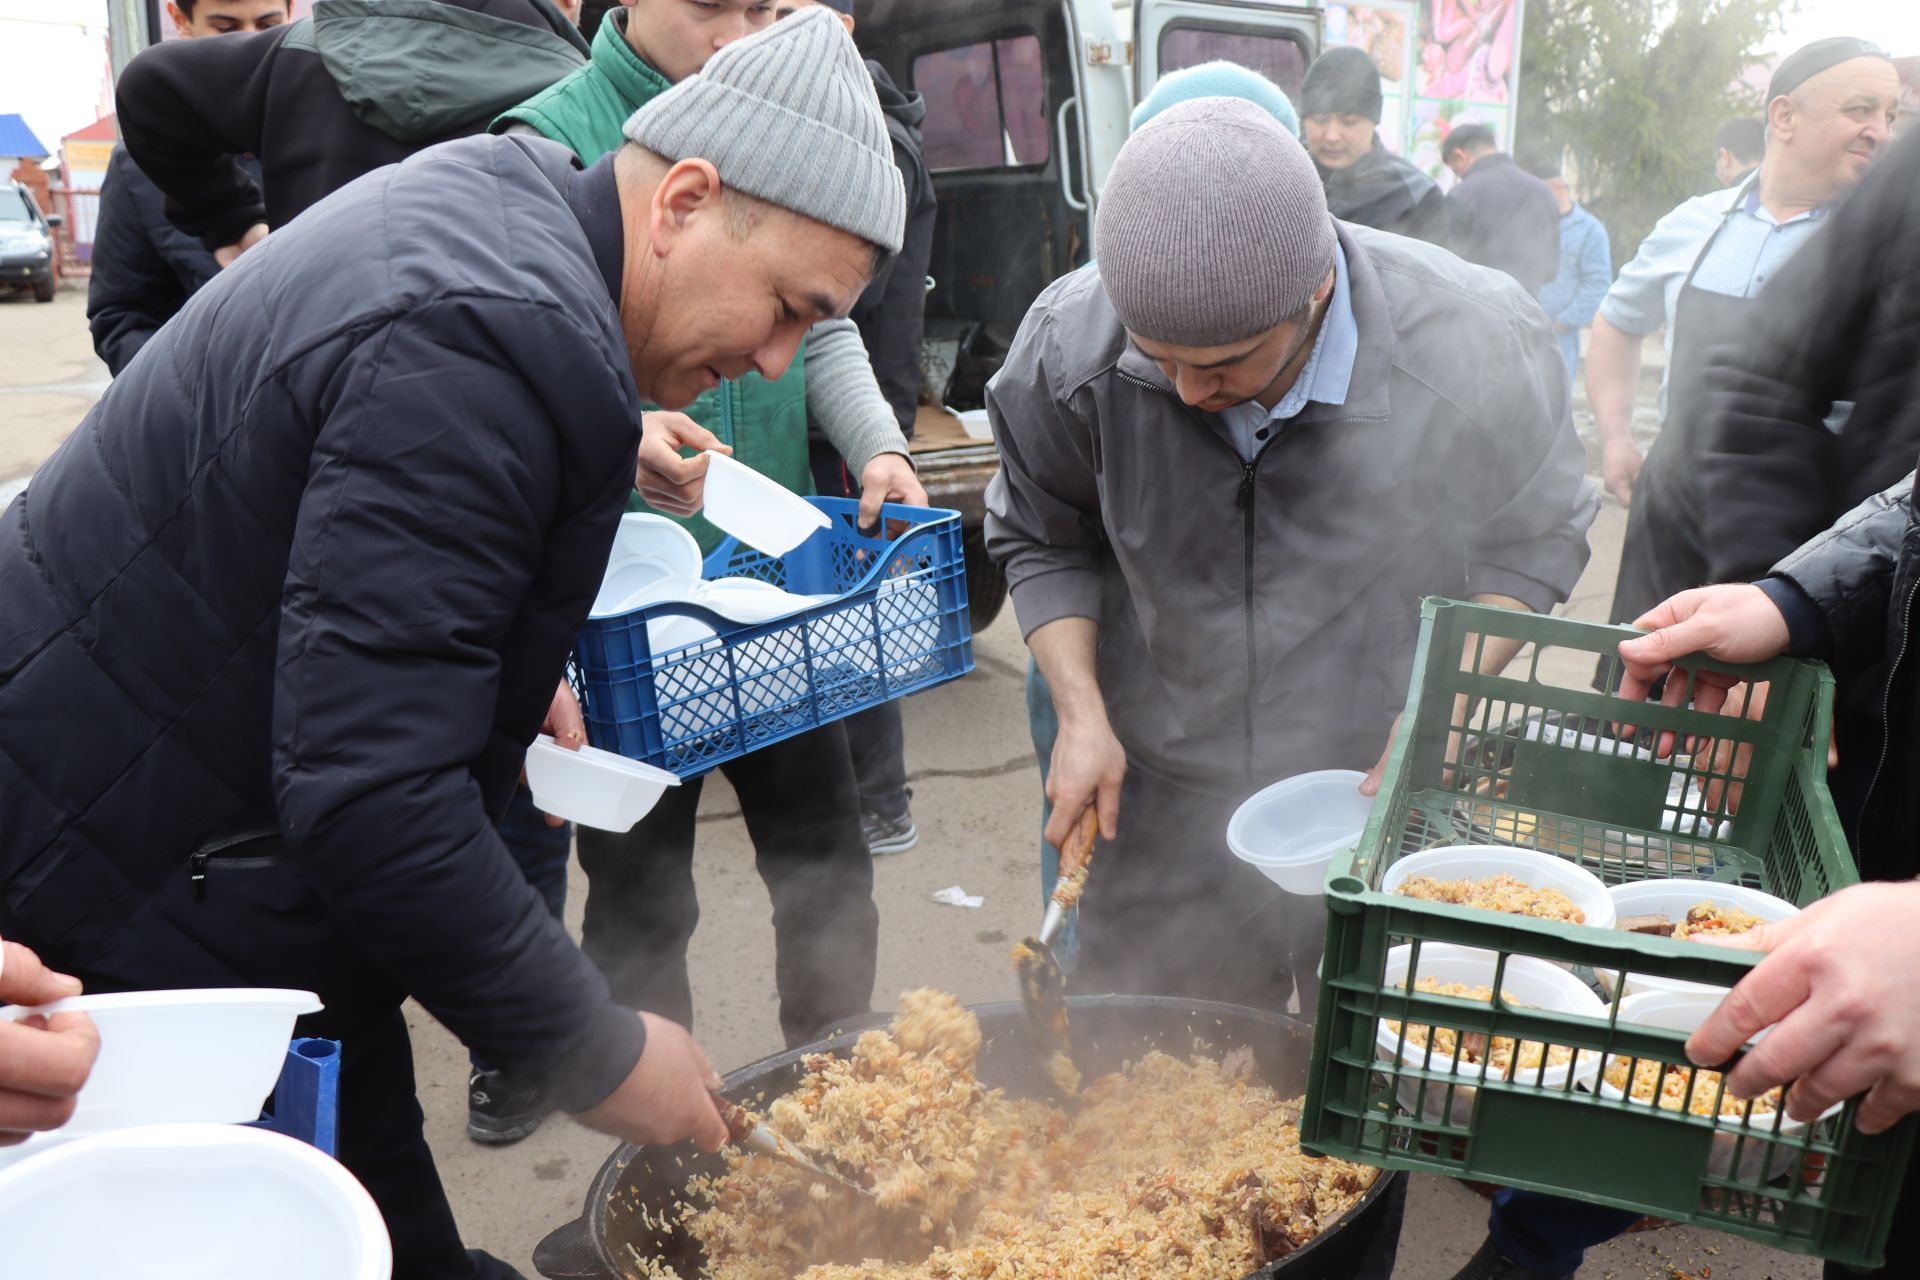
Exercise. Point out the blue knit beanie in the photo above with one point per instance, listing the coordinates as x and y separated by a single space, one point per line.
1217 80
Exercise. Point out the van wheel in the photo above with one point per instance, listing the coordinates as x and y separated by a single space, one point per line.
986 584
43 290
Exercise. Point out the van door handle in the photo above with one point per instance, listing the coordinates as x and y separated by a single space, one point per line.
1076 203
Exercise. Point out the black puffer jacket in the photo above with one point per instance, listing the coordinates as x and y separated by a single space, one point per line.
315 562
1855 610
144 268
359 84
1389 193
1840 322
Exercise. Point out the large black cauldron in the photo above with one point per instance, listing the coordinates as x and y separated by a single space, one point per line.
1107 1031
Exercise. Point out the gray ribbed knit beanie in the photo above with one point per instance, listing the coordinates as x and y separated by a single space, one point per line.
788 114
1213 226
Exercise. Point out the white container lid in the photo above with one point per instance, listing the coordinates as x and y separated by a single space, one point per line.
592 787
756 510
189 1202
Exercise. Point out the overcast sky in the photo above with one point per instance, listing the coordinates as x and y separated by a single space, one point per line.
56 51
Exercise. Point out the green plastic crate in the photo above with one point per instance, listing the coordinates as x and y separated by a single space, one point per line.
1479 774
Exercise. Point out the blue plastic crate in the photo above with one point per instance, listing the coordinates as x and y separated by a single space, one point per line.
305 1101
898 624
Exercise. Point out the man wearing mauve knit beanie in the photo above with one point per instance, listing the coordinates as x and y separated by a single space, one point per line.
1237 450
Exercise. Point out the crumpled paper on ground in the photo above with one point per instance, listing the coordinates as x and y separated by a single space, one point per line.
955 896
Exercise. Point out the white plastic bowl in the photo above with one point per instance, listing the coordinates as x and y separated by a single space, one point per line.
977 424
1292 829
1527 980
1478 861
648 551
756 510
189 1202
170 1056
592 787
1673 898
1685 1011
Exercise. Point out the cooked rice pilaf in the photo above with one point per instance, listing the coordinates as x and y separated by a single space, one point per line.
1499 1055
1714 920
1180 1168
1498 892
1673 1086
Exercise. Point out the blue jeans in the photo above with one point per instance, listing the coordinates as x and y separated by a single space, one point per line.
541 851
1548 1234
1044 726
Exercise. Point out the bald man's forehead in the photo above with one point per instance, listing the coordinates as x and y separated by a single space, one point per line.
1856 77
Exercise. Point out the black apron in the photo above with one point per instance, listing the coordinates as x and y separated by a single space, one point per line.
1665 549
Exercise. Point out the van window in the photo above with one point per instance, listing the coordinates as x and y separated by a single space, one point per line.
1280 56
986 105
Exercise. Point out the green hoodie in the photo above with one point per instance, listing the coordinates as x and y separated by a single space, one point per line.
417 70
765 422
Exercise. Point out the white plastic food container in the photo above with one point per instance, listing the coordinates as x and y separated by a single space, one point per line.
1673 898
1478 861
756 510
1685 1011
653 559
1292 829
189 1202
1528 981
977 424
592 787
167 1056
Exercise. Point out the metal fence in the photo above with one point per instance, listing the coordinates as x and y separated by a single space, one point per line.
81 209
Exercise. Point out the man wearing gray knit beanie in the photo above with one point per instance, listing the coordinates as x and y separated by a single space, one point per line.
1237 451
437 375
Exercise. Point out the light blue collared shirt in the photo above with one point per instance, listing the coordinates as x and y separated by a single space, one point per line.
1324 379
1751 246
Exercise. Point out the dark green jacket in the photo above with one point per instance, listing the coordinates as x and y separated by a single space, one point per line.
765 422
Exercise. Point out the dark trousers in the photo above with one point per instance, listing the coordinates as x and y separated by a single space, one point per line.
256 924
1170 911
541 852
877 739
803 813
877 736
1903 1242
1551 1234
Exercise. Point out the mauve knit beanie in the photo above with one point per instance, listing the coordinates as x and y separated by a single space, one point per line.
1213 226
788 114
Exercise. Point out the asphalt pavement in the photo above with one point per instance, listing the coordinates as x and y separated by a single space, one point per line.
976 799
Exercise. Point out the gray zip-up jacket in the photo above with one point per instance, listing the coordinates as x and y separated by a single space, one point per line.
1258 617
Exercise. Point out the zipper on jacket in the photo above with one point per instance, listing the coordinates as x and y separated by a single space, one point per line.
206 855
1243 499
1886 706
1245 502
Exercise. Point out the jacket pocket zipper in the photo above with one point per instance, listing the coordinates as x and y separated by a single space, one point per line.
215 851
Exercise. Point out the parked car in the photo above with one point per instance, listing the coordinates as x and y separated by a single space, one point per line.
26 243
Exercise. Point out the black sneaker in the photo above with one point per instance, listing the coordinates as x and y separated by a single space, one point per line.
501 1110
889 835
1491 1264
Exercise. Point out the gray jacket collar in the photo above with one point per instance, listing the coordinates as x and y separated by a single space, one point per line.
1372 362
